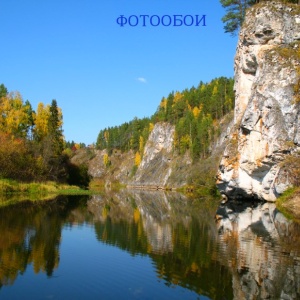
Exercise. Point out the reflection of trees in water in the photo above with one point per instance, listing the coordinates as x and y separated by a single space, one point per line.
254 255
179 237
261 247
30 234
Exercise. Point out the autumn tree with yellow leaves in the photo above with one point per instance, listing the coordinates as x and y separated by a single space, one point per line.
15 115
32 142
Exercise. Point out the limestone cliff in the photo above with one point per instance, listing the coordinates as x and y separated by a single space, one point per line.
156 168
159 160
267 115
161 165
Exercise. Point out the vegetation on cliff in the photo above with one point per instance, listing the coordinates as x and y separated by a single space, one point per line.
194 112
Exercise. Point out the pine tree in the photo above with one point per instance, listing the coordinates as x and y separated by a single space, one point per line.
30 119
3 90
54 128
52 145
236 10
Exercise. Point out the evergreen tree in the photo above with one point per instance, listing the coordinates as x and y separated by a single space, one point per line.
3 90
236 10
55 129
52 146
30 119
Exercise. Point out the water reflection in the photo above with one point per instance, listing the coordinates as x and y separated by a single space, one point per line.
179 238
251 252
30 234
145 216
261 247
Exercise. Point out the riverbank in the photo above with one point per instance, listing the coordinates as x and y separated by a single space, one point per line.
11 187
289 203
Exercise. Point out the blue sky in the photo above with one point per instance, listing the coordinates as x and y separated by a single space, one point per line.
102 74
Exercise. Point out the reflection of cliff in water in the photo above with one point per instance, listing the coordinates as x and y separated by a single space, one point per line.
149 214
262 248
165 226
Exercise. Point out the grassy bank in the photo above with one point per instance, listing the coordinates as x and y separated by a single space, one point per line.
13 187
289 203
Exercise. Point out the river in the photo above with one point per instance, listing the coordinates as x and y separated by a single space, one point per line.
147 245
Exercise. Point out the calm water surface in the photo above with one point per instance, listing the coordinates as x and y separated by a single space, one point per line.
138 245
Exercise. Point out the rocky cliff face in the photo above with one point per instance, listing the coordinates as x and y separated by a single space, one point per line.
266 117
156 168
159 167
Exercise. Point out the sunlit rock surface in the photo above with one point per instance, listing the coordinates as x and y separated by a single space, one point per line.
267 123
155 168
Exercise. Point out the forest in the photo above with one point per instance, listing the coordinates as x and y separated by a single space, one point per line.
32 145
194 112
33 148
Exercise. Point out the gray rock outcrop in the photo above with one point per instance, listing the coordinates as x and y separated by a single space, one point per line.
266 117
155 168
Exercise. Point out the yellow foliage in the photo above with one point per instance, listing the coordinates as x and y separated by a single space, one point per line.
140 229
105 159
196 112
104 212
106 135
136 215
137 159
60 117
215 90
41 119
177 97
13 115
151 126
185 143
141 144
194 267
163 103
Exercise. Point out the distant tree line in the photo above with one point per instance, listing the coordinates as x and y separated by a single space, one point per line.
31 142
194 112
